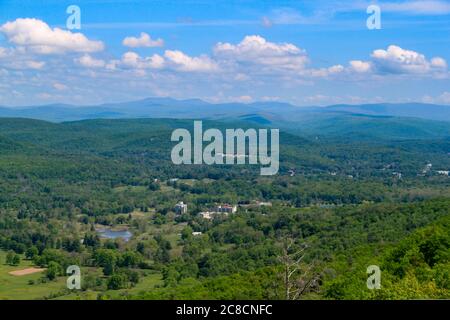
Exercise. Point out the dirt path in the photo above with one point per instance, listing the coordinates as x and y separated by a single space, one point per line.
24 272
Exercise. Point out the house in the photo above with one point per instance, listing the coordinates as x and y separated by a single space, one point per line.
223 210
205 215
196 233
180 208
226 208
210 215
443 172
398 175
427 168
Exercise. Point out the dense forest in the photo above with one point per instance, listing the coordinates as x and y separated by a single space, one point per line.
344 203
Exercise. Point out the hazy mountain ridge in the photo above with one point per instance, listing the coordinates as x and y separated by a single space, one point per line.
416 110
195 108
384 120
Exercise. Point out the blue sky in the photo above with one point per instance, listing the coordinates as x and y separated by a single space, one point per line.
305 52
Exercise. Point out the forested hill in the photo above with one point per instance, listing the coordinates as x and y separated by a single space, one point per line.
368 121
352 202
149 140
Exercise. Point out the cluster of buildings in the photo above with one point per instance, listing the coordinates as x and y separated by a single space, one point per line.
226 208
428 167
223 210
220 210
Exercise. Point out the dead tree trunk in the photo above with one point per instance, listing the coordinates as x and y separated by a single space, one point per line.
298 277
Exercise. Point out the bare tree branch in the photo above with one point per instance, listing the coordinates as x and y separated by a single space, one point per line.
298 277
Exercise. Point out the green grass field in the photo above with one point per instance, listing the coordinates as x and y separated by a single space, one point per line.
18 287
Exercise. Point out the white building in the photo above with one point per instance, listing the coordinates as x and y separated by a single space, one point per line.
205 215
196 233
226 208
209 215
443 172
180 208
427 168
398 175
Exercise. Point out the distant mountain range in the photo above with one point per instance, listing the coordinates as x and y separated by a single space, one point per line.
406 120
147 108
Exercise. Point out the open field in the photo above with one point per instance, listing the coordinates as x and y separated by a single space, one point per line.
18 287
27 286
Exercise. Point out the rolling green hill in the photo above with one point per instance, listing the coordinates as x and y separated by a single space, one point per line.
369 121
344 197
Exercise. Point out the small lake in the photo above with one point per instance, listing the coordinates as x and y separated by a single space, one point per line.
111 234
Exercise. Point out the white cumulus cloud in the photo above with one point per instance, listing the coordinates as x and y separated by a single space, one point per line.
133 60
438 62
90 62
182 62
398 60
37 36
255 50
171 60
144 40
360 66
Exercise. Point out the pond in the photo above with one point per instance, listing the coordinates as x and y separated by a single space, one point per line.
112 234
